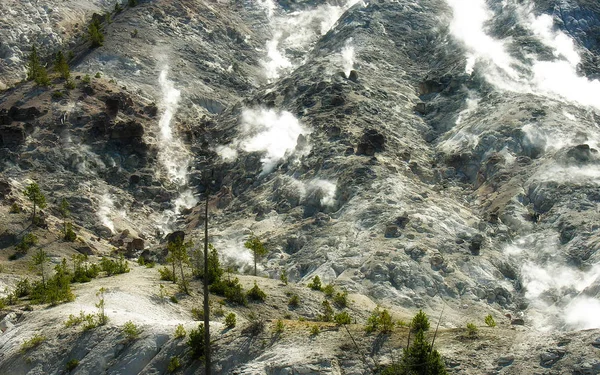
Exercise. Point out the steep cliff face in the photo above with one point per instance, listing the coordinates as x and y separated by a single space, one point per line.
428 154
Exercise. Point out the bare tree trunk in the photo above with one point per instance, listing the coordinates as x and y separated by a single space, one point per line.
207 363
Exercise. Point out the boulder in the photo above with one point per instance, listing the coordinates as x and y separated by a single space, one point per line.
370 143
12 135
353 76
24 114
582 153
5 189
172 237
127 131
391 231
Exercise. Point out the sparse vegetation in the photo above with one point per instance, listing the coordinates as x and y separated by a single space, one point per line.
257 248
314 330
283 277
214 265
61 66
327 315
419 358
15 208
328 290
173 299
118 7
255 294
95 35
279 327
72 364
131 331
178 256
27 242
114 267
342 318
102 317
472 330
230 320
174 364
294 301
33 342
166 274
380 320
420 322
83 272
98 75
35 196
180 332
341 300
196 341
315 284
86 79
489 321
35 70
197 314
230 289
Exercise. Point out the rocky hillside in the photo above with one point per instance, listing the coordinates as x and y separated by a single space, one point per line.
435 155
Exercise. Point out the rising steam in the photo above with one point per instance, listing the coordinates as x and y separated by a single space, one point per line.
348 57
273 133
296 32
557 79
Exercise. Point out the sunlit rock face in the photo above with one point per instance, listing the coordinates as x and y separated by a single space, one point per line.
421 153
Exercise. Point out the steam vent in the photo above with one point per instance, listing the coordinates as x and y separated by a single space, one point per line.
296 187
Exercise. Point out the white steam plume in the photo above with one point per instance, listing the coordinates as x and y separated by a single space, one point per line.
348 57
274 133
550 283
557 79
323 190
296 31
173 154
107 213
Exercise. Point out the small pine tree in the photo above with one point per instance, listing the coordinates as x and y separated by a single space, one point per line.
230 320
489 321
95 34
40 259
257 248
196 341
178 255
34 194
61 66
283 277
35 70
420 322
316 284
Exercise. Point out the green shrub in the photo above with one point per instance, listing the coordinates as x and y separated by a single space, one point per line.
230 289
86 79
283 277
174 299
230 320
33 342
98 75
83 272
315 284
197 314
314 330
342 318
166 274
341 300
472 330
215 271
196 341
379 320
29 240
174 364
420 355
294 301
328 290
279 327
327 315
15 208
420 322
255 294
118 7
95 35
131 331
70 85
57 95
489 321
112 267
180 331
69 233
72 364
23 288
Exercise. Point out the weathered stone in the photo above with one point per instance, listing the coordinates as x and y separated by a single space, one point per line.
12 135
391 231
353 76
172 237
506 360
371 142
